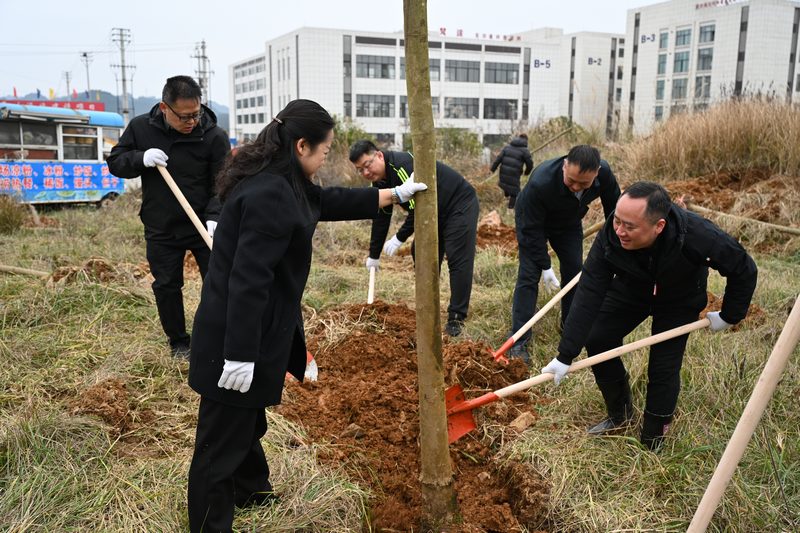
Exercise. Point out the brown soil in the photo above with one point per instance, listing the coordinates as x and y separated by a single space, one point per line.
365 408
107 400
716 191
754 318
493 232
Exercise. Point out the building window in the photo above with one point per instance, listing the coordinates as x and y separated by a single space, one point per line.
238 104
702 87
374 105
681 62
683 37
375 67
663 40
704 58
662 64
461 107
261 118
433 68
501 73
404 106
707 33
500 108
679 88
660 90
618 94
659 112
260 100
468 71
621 53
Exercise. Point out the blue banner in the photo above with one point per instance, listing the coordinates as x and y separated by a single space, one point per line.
51 181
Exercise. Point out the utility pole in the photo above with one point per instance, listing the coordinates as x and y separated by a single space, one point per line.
86 57
122 36
67 76
203 71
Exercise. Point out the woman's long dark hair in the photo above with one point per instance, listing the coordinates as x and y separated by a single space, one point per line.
273 149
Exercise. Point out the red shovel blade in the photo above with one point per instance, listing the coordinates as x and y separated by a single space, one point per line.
458 424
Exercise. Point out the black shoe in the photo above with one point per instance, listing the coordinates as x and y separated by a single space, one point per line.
259 499
453 327
608 425
180 350
617 397
654 427
519 351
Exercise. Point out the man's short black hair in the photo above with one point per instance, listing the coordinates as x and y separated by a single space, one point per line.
523 135
587 157
658 200
181 87
359 148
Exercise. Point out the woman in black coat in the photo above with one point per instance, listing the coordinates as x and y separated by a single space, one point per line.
248 331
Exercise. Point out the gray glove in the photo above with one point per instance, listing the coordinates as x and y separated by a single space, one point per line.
557 368
392 245
717 324
373 263
211 225
408 189
237 375
154 156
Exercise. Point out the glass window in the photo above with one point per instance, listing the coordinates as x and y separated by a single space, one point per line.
683 37
702 87
679 88
501 73
499 108
466 71
707 33
705 57
39 134
659 112
662 64
375 67
374 105
433 68
663 40
461 107
681 62
80 142
404 106
110 140
660 90
9 133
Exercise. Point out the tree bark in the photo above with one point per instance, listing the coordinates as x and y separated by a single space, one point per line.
436 475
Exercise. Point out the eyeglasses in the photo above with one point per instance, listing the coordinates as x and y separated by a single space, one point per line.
366 164
194 117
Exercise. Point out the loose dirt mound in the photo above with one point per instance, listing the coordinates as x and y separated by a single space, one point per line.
755 315
493 232
107 400
365 408
98 269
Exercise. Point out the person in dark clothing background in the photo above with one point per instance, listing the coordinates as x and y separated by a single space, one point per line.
182 133
248 330
513 160
650 259
458 220
550 208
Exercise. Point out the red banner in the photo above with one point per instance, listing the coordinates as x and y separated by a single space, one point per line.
87 106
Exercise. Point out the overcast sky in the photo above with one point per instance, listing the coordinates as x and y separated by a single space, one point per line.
41 40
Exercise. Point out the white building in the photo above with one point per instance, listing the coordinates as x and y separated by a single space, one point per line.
491 85
687 54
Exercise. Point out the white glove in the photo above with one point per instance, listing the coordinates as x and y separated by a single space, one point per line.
717 324
312 371
557 368
391 246
408 189
373 263
154 156
211 225
550 280
236 375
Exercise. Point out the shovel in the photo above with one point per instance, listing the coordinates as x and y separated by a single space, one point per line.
460 420
371 291
499 354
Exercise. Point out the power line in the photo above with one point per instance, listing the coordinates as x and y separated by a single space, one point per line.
122 36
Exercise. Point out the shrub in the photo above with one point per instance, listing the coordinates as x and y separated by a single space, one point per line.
12 215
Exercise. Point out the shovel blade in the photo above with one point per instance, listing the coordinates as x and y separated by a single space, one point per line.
458 424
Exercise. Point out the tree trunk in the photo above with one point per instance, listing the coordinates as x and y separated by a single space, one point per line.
436 475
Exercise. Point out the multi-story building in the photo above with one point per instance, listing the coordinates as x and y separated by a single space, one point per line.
688 54
491 86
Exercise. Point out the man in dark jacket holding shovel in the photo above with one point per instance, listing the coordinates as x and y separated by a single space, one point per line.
182 133
513 160
650 259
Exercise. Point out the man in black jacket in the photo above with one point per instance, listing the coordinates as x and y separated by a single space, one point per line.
458 220
650 259
185 132
550 208
513 160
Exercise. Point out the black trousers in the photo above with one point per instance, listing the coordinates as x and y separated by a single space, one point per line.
166 264
568 246
458 233
228 467
618 317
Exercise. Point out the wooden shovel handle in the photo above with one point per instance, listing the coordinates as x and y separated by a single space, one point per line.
185 204
605 356
546 307
371 291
